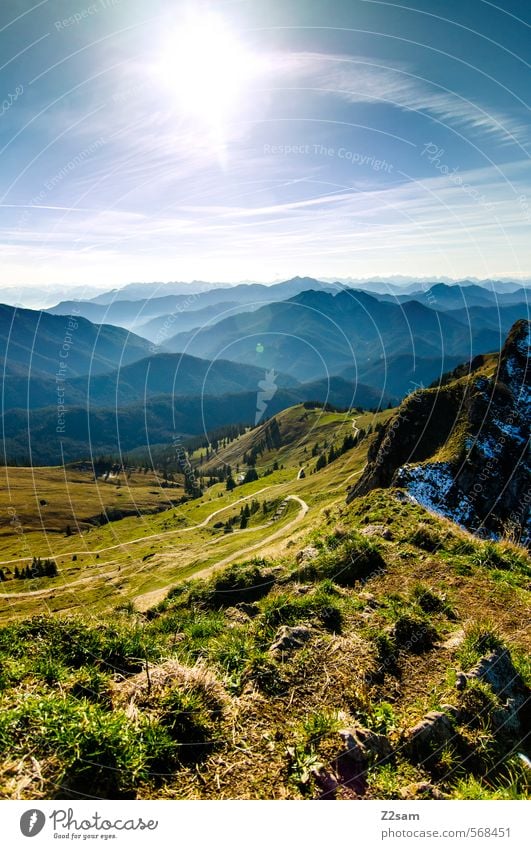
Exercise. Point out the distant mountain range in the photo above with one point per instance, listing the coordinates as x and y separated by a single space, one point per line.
32 434
138 311
444 297
162 374
42 344
320 333
322 341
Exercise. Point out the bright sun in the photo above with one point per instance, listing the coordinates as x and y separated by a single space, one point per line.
209 70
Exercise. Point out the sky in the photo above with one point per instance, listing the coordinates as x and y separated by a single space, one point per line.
263 139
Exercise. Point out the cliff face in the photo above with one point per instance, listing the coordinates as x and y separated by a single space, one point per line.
463 449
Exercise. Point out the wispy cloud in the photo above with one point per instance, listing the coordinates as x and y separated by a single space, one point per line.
366 80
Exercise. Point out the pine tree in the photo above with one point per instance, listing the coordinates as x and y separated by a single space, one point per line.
321 462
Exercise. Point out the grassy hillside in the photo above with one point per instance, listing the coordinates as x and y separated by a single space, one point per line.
48 500
241 685
181 655
298 430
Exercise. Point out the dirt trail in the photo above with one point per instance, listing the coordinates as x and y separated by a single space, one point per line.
149 537
147 600
101 573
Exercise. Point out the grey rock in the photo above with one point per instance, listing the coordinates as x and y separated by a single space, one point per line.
428 736
248 608
497 670
289 637
237 615
377 531
364 746
422 790
461 681
306 554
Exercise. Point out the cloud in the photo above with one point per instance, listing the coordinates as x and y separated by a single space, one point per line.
362 80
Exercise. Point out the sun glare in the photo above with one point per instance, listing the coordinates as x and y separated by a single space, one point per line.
208 69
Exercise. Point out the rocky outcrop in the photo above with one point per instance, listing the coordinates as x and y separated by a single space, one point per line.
428 738
498 672
462 449
365 747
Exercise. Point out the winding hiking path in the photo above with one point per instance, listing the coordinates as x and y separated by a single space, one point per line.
162 592
143 602
149 537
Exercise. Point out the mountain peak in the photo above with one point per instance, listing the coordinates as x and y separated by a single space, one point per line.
443 442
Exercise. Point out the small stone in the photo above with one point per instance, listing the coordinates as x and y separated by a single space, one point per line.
306 554
451 709
422 790
428 736
369 599
377 531
302 589
290 637
237 615
249 609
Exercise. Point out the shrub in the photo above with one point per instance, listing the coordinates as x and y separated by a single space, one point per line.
480 639
355 558
504 555
476 704
414 634
426 538
318 724
377 716
97 752
92 684
235 584
188 722
232 651
289 609
430 602
121 648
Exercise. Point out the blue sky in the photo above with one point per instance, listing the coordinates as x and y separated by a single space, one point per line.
262 139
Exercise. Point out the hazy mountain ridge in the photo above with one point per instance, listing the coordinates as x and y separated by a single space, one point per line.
318 333
160 374
43 344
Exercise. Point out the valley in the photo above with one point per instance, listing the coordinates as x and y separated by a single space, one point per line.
319 604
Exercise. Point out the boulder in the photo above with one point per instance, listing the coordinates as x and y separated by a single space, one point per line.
497 670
